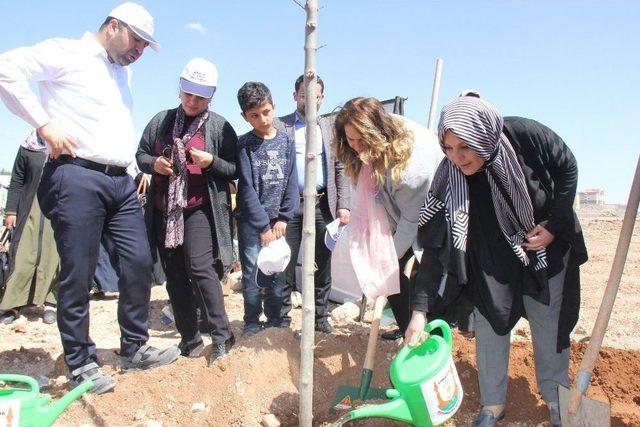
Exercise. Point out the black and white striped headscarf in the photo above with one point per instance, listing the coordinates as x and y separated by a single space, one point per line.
479 124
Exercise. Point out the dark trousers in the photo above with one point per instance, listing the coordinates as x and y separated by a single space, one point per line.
401 303
322 276
106 277
192 280
84 206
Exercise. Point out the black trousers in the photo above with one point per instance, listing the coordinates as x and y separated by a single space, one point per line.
192 279
85 206
401 303
322 276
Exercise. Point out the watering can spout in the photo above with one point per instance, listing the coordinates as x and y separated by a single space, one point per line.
53 411
396 409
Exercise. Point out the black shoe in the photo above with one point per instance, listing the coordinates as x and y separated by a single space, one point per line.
250 329
325 327
221 350
486 419
9 316
49 315
394 335
194 351
277 323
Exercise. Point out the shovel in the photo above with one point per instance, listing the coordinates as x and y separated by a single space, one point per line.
346 395
575 408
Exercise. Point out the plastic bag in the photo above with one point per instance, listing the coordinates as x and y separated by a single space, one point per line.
367 244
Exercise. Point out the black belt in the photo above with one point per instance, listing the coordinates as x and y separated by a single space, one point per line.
110 170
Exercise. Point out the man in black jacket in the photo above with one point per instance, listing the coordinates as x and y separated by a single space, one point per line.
332 201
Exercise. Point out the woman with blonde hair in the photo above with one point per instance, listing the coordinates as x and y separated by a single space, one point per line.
402 157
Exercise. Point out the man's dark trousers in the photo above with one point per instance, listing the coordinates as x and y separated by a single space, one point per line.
82 205
322 276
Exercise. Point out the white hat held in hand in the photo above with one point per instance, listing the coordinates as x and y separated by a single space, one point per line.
334 230
199 77
138 19
272 259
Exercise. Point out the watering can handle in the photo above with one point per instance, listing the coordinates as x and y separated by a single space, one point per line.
443 326
32 383
430 327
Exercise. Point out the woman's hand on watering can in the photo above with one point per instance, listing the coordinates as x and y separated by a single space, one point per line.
415 334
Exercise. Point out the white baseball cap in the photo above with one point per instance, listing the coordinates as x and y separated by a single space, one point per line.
334 230
138 19
199 77
272 259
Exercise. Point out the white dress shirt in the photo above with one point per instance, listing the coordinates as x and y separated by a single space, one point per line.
300 136
88 96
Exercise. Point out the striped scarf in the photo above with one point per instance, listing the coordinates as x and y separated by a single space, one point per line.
177 191
479 124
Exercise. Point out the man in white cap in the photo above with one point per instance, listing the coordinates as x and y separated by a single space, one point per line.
84 117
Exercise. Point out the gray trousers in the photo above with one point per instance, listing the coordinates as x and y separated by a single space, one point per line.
492 350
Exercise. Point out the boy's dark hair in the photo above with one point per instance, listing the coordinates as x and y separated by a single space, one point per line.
252 94
300 79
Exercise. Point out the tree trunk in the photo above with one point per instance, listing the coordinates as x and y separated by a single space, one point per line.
308 224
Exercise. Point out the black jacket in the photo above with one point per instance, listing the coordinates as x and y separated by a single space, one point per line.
220 141
25 178
551 173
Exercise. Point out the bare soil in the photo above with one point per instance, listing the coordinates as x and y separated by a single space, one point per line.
260 376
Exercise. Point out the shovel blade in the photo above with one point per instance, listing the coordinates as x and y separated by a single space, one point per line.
346 396
590 413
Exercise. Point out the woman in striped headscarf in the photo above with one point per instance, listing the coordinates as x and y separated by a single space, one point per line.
498 228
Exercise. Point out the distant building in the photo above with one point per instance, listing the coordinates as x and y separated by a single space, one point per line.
591 196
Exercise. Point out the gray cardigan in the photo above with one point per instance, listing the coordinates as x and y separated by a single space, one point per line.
403 199
220 141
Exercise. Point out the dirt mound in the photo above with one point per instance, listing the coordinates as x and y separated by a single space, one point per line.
259 378
260 375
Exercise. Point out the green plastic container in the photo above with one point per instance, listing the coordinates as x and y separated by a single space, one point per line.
26 407
427 390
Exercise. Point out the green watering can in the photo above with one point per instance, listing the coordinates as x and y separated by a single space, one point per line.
26 407
427 390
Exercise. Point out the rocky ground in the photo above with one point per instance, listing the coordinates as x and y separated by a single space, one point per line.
257 384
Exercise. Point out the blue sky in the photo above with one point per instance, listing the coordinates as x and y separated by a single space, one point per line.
572 65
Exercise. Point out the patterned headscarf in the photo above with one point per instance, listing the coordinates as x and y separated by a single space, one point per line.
177 191
479 125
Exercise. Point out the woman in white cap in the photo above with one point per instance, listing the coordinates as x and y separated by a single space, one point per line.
191 153
498 225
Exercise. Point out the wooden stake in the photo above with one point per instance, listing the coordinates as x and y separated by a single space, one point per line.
434 93
308 222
